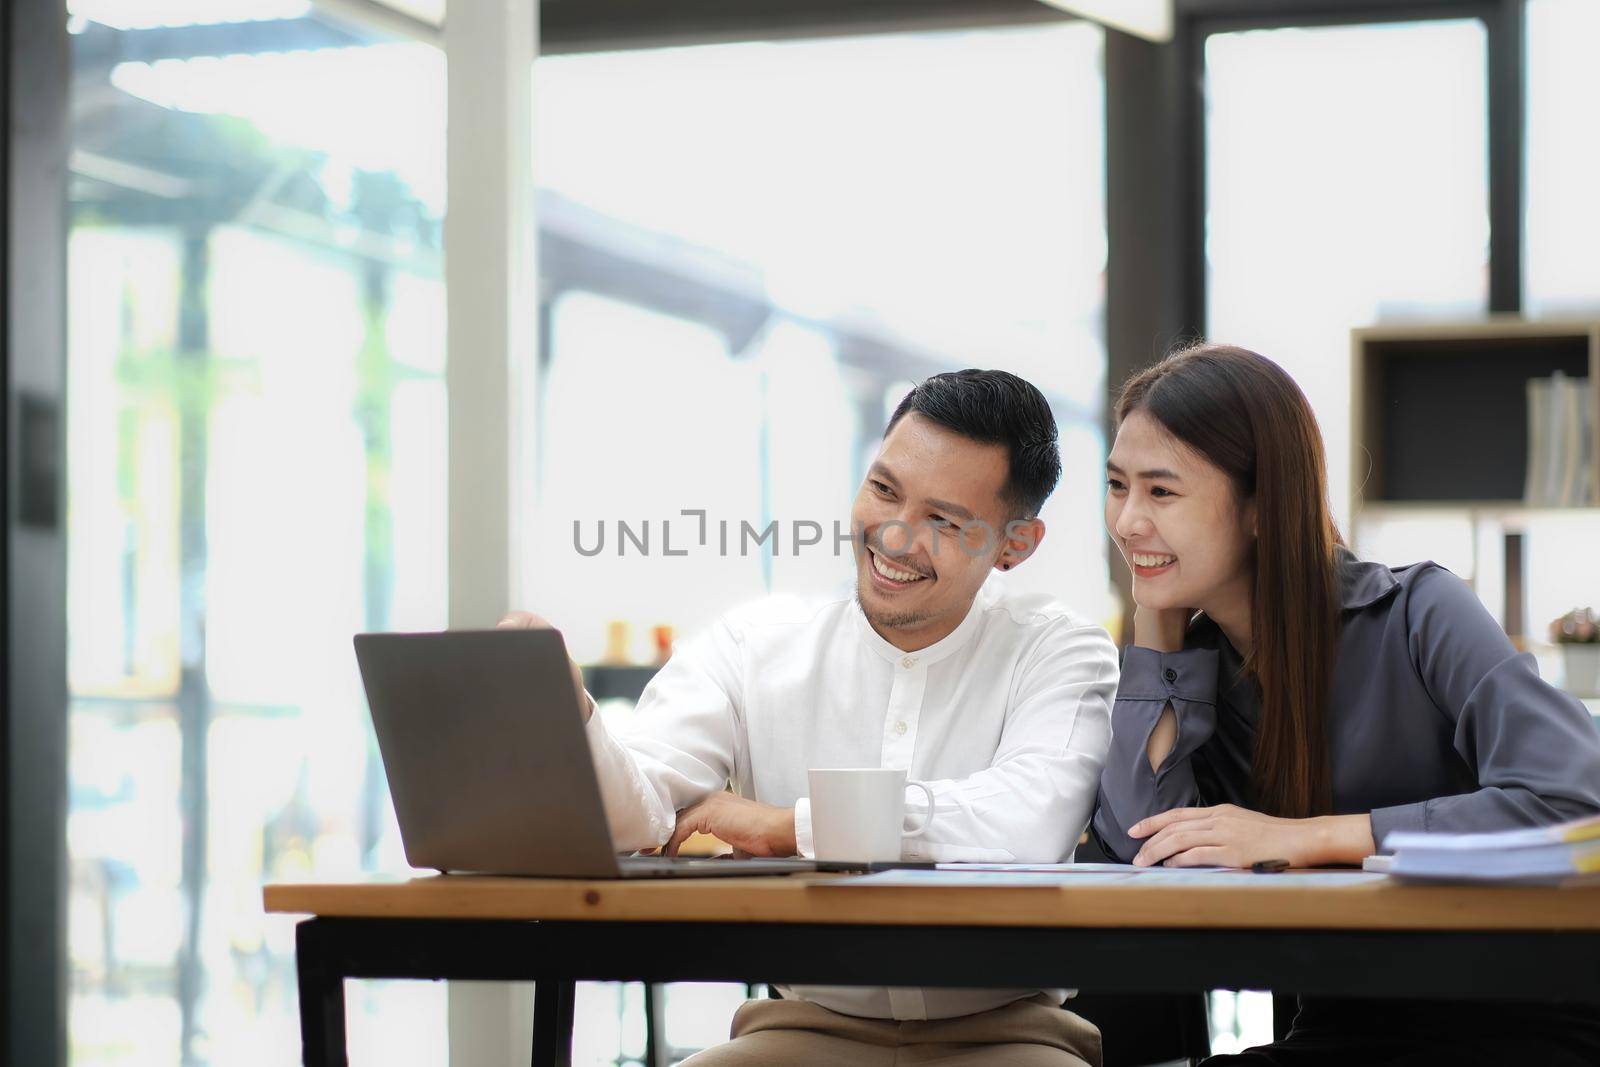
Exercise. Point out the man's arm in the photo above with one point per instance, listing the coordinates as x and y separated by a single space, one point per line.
682 744
751 827
1034 799
527 620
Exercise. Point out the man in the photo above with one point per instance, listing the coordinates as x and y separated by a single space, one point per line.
999 701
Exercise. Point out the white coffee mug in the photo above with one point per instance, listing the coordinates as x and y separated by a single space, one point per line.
858 814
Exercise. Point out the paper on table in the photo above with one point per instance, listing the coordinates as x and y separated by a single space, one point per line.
1236 878
987 879
1109 874
1069 868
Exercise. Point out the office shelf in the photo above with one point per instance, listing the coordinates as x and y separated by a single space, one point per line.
1439 412
1440 432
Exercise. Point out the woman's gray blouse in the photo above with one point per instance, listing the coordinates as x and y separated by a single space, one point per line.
1435 721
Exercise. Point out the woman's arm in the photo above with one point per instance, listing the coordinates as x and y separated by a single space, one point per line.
1171 829
1534 748
1165 709
1162 738
1534 751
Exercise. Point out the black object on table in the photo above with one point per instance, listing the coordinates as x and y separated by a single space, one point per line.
617 681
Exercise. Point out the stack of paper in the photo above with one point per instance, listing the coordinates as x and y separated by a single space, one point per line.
1550 855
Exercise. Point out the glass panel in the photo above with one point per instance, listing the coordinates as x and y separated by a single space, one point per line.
1563 572
699 1014
1347 184
1239 1019
256 421
1561 267
623 454
1400 536
832 234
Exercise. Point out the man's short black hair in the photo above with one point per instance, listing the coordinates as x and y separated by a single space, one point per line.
996 408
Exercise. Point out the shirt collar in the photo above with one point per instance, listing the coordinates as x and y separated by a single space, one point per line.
1362 584
950 643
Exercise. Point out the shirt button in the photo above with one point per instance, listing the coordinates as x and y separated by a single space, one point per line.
900 728
908 662
1170 675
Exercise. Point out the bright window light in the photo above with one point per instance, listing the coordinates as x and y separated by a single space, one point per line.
1562 271
154 14
361 105
1347 183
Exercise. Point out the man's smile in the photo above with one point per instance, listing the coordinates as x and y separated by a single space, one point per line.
892 577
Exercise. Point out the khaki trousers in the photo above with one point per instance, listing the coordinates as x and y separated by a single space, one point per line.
1035 1032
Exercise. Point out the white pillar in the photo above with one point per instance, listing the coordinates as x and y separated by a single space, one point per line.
491 292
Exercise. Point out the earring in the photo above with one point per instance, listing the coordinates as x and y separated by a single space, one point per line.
1005 566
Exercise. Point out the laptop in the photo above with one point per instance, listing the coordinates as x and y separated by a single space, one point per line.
483 743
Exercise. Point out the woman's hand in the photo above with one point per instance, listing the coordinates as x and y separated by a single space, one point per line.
1231 836
1161 629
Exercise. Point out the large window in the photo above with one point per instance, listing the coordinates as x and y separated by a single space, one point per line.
256 420
1347 181
752 250
1561 265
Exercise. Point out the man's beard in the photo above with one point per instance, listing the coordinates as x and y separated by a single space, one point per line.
891 620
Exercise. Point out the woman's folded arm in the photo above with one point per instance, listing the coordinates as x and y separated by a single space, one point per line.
1153 683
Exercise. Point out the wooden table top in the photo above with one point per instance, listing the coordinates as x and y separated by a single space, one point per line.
1293 900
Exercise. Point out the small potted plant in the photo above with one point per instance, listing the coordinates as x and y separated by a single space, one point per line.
1578 634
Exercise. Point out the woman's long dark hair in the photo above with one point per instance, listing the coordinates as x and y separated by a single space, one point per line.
1246 416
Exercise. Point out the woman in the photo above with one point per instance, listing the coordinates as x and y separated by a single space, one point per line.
1284 700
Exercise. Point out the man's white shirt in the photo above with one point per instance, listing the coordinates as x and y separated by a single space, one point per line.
1007 719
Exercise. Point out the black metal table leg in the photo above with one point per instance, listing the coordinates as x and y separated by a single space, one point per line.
654 1024
322 1037
552 1022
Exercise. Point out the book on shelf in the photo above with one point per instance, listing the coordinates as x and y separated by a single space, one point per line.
1561 456
1549 855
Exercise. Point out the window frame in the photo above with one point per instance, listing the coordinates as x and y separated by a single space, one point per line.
1504 23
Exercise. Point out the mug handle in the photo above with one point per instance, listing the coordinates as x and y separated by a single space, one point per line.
927 820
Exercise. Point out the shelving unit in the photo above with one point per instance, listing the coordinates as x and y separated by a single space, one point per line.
1440 411
1440 439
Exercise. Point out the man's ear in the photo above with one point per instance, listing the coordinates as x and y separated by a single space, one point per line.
1021 540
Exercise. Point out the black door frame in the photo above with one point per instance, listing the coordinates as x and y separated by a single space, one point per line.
1156 270
34 71
1156 156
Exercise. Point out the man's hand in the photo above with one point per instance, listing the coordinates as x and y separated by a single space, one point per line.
752 828
1160 629
527 620
1230 836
